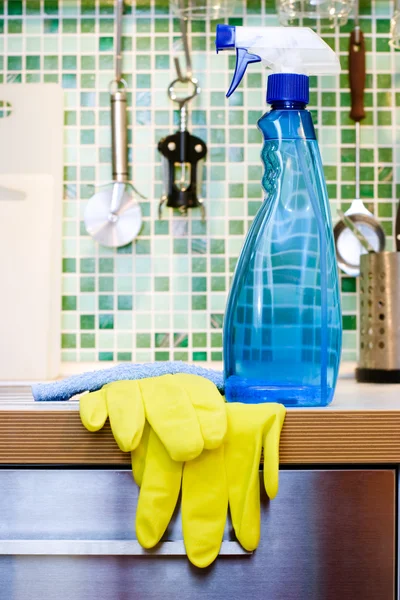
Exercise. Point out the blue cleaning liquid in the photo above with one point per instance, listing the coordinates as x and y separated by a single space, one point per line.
282 328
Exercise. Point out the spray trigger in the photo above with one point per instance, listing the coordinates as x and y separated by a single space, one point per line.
243 58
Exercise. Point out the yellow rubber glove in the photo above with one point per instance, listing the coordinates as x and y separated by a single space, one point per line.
185 411
227 472
186 414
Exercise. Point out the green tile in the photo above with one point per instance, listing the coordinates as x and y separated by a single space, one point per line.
162 356
88 25
106 321
69 25
69 81
88 340
124 356
236 190
106 44
50 25
161 228
161 284
366 155
199 340
69 265
106 302
87 265
32 63
382 26
143 340
125 302
199 284
385 154
216 320
199 356
106 284
32 7
69 303
14 26
87 322
68 340
384 99
87 136
199 302
216 340
217 246
181 340
161 340
217 265
14 63
384 191
328 118
14 7
51 7
382 45
217 284
384 118
143 247
106 265
217 154
328 99
385 209
349 322
87 284
106 356
386 174
180 246
366 174
236 227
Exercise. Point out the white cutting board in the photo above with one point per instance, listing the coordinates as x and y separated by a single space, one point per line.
31 169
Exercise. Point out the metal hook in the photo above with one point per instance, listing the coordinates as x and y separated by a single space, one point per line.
186 48
356 22
119 10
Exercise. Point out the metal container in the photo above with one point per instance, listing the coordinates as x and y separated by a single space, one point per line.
379 318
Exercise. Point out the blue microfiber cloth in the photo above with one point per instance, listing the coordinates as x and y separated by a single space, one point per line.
94 380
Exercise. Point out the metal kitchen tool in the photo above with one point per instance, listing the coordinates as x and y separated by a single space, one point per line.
113 216
348 247
351 224
397 228
379 318
182 153
394 41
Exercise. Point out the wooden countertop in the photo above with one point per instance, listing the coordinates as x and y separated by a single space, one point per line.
361 426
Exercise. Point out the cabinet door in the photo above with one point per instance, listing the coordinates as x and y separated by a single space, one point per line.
69 535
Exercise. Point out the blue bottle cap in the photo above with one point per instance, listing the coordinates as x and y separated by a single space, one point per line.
225 37
288 86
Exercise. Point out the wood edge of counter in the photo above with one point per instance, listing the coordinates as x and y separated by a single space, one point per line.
308 437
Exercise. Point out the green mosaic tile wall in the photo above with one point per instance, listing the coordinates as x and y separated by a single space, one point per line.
164 296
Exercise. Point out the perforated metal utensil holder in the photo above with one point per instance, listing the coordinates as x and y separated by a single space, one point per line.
379 318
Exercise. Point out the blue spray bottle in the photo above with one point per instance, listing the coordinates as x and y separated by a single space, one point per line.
282 328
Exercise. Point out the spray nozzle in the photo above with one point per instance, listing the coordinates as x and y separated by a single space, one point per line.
281 49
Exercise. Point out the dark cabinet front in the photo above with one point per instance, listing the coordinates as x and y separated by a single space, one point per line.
68 534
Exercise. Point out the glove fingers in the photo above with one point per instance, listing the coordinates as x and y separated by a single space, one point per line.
138 456
170 413
209 406
204 506
126 413
159 492
272 434
93 410
242 459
